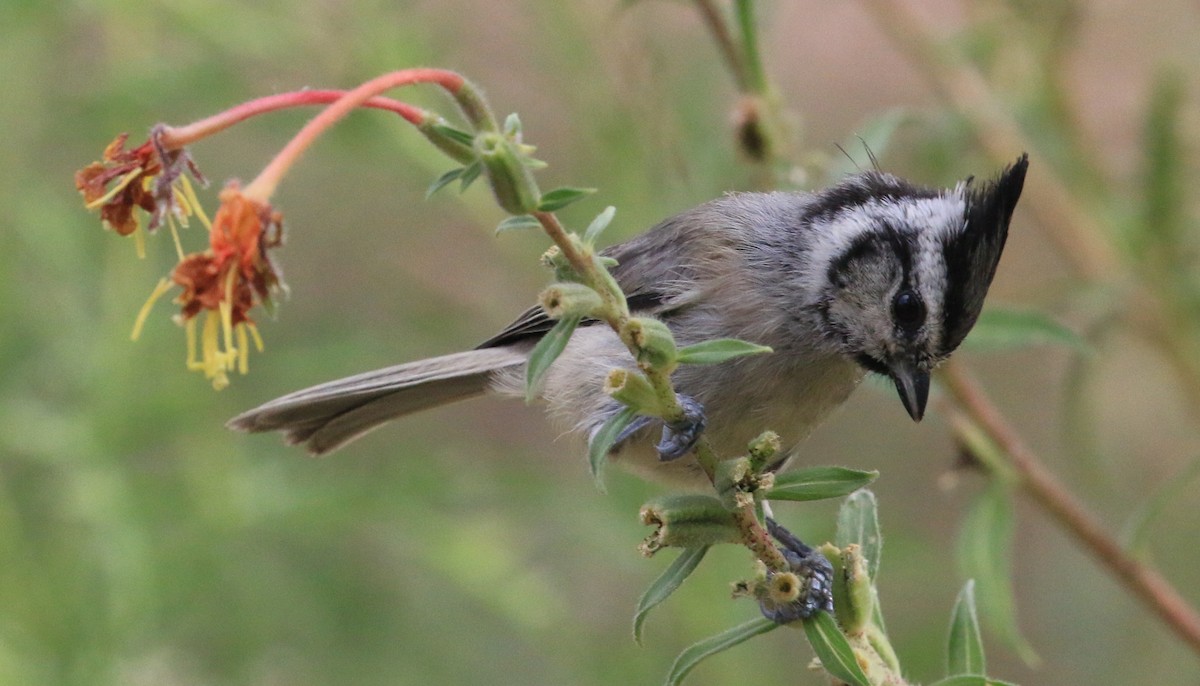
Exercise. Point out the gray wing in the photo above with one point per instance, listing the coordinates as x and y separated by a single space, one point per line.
649 270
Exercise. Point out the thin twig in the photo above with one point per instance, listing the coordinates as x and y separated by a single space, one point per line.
719 28
1047 491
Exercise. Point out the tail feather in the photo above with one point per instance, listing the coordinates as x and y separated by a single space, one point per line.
325 417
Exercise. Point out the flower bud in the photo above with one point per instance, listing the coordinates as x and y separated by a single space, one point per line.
633 389
653 341
570 300
511 181
860 599
687 521
762 449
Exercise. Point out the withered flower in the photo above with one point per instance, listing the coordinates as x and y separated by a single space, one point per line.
149 177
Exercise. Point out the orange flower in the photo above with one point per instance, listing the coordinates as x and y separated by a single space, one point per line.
226 281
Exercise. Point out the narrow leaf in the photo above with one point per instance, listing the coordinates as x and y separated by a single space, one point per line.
970 680
964 648
719 350
470 173
443 181
665 585
729 638
831 647
602 441
1165 186
858 523
561 197
984 550
1136 530
519 222
819 483
455 134
546 352
1003 328
598 225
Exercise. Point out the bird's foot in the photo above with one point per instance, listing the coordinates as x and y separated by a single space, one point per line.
679 437
815 574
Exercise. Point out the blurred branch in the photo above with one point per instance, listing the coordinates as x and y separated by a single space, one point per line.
1048 492
1071 227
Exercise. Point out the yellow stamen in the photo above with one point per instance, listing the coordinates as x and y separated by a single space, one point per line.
139 241
121 184
163 286
175 236
258 342
185 185
190 328
243 349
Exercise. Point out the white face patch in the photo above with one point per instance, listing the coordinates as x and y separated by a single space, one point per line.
927 222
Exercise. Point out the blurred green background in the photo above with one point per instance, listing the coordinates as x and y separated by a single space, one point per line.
141 543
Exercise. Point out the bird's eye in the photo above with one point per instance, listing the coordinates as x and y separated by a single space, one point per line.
908 310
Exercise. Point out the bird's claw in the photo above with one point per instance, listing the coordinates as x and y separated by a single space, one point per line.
679 437
816 575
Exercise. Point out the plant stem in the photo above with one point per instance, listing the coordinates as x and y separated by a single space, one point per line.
1048 492
1069 225
263 186
175 137
717 26
755 75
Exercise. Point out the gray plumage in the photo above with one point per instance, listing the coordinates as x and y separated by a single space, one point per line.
870 275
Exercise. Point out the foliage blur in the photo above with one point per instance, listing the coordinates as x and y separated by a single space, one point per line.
141 543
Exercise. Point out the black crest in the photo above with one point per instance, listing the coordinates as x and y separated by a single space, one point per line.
972 256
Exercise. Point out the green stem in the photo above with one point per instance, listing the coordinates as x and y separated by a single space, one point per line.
755 75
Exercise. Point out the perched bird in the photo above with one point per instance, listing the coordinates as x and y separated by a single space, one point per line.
871 275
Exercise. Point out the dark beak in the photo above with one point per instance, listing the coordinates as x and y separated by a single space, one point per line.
913 386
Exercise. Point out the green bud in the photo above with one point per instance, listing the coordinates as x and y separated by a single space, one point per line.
762 449
511 181
859 597
446 139
633 389
783 587
687 521
653 341
570 300
734 482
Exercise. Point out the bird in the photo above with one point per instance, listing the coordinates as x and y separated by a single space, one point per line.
871 275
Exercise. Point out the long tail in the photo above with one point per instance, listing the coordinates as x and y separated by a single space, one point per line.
328 416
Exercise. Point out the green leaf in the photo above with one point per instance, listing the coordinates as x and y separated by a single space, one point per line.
970 680
719 350
603 441
470 173
1165 186
443 181
1002 328
874 139
455 134
561 197
512 125
546 352
665 585
819 483
831 647
729 638
858 523
519 222
984 549
598 225
1134 533
964 647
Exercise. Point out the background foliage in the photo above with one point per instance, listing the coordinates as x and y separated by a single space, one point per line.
140 543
